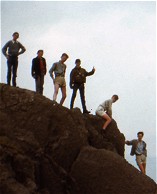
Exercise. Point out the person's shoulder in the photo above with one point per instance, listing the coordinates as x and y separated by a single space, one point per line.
144 142
35 59
134 140
83 69
108 100
19 43
8 42
43 58
54 64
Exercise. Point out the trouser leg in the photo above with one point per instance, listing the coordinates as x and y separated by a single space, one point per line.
9 71
73 96
41 83
82 96
37 84
15 65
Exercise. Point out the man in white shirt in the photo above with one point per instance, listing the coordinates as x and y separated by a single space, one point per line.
104 110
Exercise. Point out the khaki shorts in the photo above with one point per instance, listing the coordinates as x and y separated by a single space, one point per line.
100 111
140 159
60 81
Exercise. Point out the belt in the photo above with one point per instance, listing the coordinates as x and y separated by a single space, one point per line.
60 76
138 154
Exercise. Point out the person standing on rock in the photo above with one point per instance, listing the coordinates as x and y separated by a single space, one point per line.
39 71
77 81
104 110
12 49
139 149
59 69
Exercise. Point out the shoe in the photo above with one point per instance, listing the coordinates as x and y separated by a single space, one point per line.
86 112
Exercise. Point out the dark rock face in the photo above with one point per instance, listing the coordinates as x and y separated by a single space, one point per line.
48 149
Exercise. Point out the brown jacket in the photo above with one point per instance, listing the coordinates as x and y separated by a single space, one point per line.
78 75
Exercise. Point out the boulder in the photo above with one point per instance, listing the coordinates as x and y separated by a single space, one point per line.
45 148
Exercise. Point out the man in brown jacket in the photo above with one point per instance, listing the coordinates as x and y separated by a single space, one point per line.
77 80
139 149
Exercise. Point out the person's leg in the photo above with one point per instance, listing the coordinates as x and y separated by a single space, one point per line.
37 84
141 168
56 88
63 89
107 122
143 158
15 65
73 96
82 96
9 71
41 83
139 163
144 167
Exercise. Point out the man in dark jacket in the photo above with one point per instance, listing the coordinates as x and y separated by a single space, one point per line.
77 80
139 149
39 71
12 49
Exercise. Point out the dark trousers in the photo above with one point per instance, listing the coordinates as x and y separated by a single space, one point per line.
82 95
12 63
39 82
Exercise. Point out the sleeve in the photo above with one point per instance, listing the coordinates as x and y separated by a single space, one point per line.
71 78
65 69
52 70
109 108
89 73
45 66
4 49
33 67
129 142
22 49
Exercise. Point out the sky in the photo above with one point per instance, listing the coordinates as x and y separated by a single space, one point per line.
118 38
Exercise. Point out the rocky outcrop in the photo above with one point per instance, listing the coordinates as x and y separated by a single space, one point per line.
48 149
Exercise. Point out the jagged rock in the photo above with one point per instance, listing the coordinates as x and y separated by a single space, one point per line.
104 172
44 148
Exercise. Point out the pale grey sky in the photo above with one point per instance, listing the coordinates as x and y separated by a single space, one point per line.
117 38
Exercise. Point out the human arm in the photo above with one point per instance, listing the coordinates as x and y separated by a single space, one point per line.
109 108
52 70
22 49
4 49
33 69
129 142
45 65
71 84
91 72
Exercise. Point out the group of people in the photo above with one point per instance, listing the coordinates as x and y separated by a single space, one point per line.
13 48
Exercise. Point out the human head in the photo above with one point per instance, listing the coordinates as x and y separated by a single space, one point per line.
64 57
40 53
140 135
115 98
78 62
15 35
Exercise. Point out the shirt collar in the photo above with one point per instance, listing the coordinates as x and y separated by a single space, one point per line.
14 41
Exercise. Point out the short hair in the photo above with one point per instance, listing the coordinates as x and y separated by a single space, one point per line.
115 96
64 54
15 33
77 61
140 132
40 51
